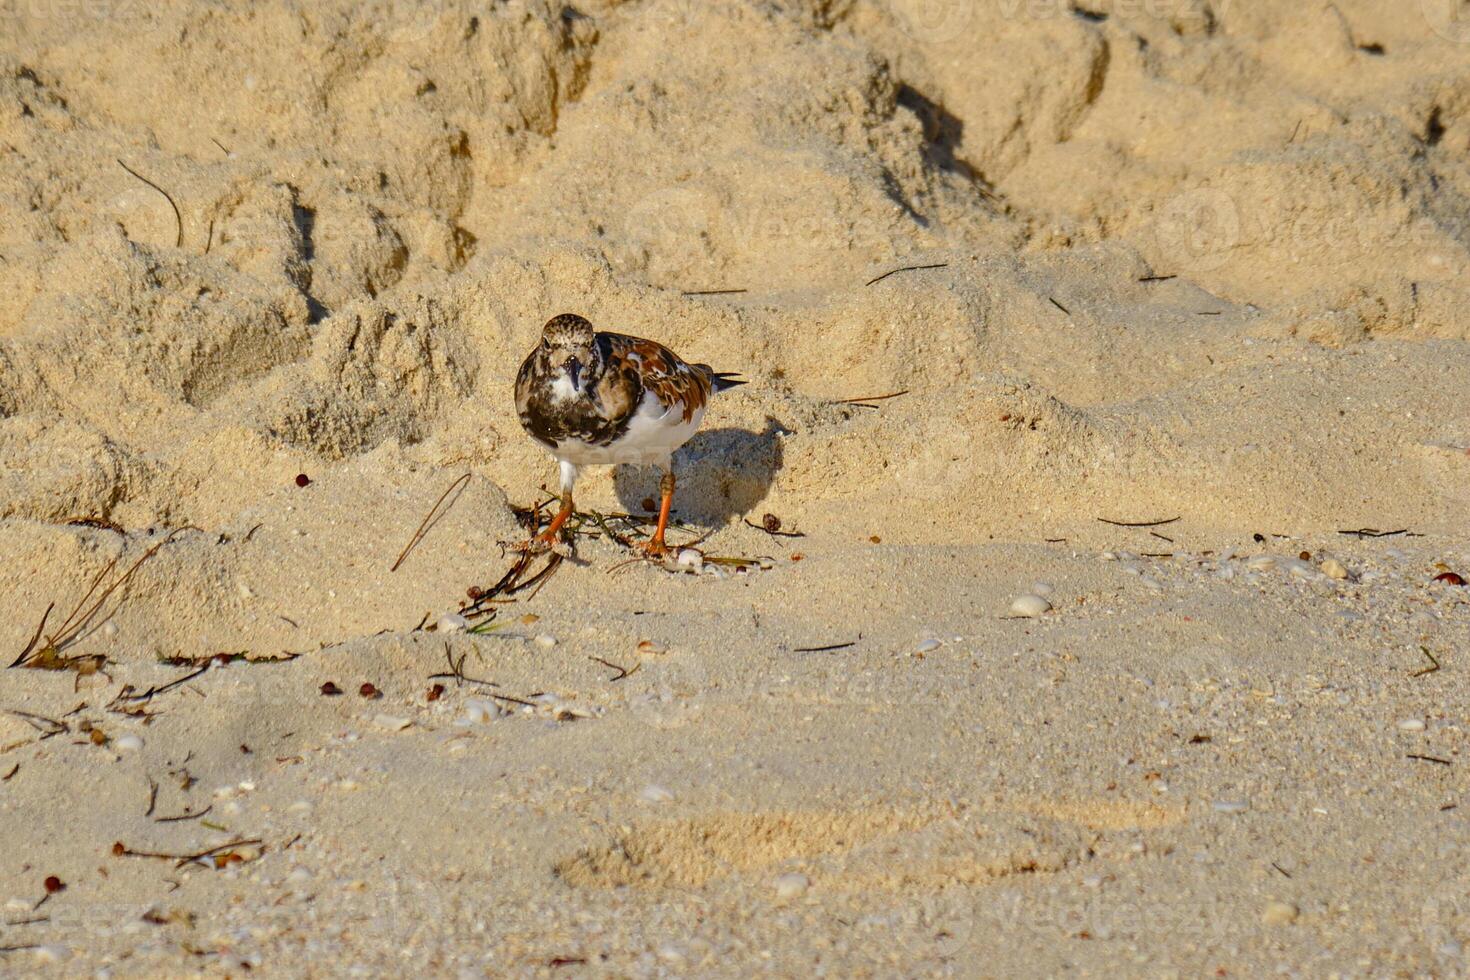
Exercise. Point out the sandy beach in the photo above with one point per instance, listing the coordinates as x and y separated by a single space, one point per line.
1082 578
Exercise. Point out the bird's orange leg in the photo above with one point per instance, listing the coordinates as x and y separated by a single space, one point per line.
548 537
654 547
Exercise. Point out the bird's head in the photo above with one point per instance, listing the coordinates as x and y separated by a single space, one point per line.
569 346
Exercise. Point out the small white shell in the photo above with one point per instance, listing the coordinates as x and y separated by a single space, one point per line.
1029 606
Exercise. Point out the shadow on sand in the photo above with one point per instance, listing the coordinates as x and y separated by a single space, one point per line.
722 474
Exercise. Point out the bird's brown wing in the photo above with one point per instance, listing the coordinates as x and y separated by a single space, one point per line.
659 370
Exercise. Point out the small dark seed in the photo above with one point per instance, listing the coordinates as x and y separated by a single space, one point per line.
435 692
875 539
1259 538
474 593
330 689
368 691
648 504
302 480
1450 578
118 850
53 885
771 523
1305 556
97 736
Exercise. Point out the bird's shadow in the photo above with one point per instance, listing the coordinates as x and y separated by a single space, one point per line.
721 473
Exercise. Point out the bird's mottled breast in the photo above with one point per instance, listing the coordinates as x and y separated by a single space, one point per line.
597 417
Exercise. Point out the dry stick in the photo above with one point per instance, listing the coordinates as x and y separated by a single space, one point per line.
834 646
456 671
184 816
430 519
178 218
1172 520
1369 532
152 797
119 849
1157 278
1426 670
1161 537
713 292
907 268
70 630
1429 758
774 534
126 694
1059 306
870 398
13 770
622 671
48 727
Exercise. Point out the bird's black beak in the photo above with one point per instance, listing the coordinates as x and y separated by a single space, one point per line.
574 371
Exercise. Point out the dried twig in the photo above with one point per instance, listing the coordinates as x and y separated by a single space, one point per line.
456 671
1369 532
833 646
178 218
863 401
771 532
48 727
1172 520
1427 670
907 268
82 615
128 695
622 671
119 849
713 292
433 517
1429 758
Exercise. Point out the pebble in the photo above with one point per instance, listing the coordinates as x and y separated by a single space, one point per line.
1231 806
393 723
545 640
654 793
451 623
127 743
928 646
1411 725
1029 606
480 712
1333 568
793 884
1278 913
690 558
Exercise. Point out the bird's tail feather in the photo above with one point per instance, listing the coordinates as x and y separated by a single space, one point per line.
721 380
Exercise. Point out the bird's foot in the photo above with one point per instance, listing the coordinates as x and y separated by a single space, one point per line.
654 549
540 544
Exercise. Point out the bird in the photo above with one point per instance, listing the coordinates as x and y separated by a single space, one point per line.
597 398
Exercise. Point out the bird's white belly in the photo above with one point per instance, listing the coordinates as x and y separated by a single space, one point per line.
652 435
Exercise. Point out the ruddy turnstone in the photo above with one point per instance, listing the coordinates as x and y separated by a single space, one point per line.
606 398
